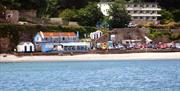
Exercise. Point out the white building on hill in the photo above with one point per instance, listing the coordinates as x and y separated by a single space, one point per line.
141 13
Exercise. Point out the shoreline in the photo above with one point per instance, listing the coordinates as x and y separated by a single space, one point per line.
92 57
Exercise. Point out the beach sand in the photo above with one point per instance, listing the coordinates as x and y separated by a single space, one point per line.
93 57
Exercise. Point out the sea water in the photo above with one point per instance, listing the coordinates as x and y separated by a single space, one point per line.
128 75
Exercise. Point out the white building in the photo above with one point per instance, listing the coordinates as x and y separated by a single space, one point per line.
140 12
104 6
96 35
25 47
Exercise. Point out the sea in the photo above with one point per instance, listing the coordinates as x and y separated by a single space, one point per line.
122 75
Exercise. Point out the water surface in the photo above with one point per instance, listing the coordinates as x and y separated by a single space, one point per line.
129 75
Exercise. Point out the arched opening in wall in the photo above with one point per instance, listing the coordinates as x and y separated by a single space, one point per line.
31 49
25 48
63 39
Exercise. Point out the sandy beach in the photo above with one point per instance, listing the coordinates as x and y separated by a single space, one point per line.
93 57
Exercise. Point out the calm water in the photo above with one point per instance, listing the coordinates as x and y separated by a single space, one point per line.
159 75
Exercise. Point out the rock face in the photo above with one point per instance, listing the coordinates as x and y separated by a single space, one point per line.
25 36
4 44
10 16
9 42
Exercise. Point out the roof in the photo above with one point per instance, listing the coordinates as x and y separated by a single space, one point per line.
22 43
53 34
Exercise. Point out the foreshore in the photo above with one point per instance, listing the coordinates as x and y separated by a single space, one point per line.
92 57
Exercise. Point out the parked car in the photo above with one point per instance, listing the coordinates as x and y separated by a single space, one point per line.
120 46
151 45
162 46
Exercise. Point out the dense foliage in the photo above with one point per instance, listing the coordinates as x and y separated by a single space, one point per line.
119 18
89 15
158 34
69 14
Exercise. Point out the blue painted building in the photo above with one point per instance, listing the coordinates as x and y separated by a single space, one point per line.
59 41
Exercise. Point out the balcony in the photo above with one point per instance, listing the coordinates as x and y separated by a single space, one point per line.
139 8
157 15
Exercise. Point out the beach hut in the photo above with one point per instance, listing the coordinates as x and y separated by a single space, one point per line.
25 47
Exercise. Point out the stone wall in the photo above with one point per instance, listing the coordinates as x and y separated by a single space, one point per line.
31 13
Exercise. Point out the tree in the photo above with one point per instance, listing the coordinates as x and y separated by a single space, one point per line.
68 14
176 14
118 16
60 5
10 4
89 15
166 16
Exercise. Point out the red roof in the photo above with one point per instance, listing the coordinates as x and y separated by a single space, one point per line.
51 34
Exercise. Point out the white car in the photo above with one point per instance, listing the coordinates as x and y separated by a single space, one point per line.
119 46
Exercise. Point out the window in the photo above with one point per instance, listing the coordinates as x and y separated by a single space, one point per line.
142 6
135 5
74 38
147 6
153 5
141 17
147 11
135 11
73 48
46 39
78 48
135 17
153 17
141 12
147 18
65 48
63 38
38 38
